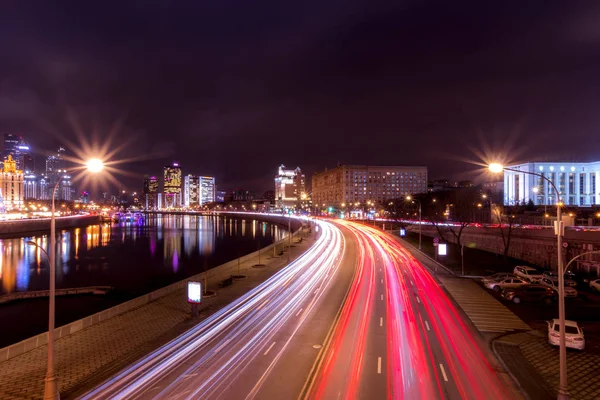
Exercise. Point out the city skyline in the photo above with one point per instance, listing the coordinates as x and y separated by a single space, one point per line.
388 85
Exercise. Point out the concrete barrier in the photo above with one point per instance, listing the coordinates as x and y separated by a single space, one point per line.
24 227
214 274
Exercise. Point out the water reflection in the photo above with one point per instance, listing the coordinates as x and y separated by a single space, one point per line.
131 256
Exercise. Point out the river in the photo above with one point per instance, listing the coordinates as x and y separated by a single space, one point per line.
134 258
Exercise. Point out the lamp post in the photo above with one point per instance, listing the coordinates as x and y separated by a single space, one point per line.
410 198
563 391
51 381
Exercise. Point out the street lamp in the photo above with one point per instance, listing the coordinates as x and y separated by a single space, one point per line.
410 198
93 165
563 391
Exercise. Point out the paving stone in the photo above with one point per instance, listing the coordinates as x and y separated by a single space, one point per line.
91 355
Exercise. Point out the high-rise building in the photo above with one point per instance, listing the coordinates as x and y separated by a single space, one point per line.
11 185
290 188
20 151
10 145
65 191
150 192
220 196
31 187
191 196
348 184
207 190
172 186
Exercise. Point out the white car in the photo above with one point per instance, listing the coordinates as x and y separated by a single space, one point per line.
554 276
528 273
553 283
573 334
497 276
508 282
595 285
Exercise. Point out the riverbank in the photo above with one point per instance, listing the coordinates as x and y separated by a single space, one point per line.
25 227
133 259
89 352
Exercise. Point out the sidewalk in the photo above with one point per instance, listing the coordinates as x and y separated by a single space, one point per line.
523 352
88 357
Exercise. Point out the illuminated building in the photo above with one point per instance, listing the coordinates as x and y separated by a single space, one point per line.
191 188
11 142
172 186
31 187
207 190
65 191
150 192
351 184
11 185
220 196
19 150
290 188
577 183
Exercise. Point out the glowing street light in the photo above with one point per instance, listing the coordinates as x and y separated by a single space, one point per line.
94 165
563 391
412 200
496 168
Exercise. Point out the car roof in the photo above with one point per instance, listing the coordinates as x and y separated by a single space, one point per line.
568 322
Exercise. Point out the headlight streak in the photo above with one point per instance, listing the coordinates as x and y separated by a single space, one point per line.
239 330
411 361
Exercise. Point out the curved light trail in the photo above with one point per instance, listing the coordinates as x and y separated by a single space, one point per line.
209 359
399 336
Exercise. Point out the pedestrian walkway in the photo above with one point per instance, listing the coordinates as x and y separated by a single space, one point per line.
486 313
529 357
90 356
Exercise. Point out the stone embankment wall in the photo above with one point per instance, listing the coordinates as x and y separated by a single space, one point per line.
536 246
23 227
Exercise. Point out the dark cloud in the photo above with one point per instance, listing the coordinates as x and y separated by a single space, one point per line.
235 88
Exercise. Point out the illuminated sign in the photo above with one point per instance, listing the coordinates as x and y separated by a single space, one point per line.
194 292
442 249
23 147
402 232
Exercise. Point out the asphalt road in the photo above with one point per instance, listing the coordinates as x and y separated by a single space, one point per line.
262 346
400 336
356 317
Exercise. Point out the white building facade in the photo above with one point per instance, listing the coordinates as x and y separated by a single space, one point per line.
191 191
207 190
577 183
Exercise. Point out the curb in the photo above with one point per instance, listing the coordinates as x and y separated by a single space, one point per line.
506 369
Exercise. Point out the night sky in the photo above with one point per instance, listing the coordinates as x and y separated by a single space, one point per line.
235 88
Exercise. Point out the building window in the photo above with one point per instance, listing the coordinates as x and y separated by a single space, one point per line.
561 183
571 183
581 183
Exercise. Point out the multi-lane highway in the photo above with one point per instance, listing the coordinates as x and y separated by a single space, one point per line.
355 317
262 345
399 335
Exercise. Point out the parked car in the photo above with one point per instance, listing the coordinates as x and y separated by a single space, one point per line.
497 276
553 283
530 293
528 273
573 334
505 283
569 281
595 285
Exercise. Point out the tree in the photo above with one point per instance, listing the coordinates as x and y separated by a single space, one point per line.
506 220
452 211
